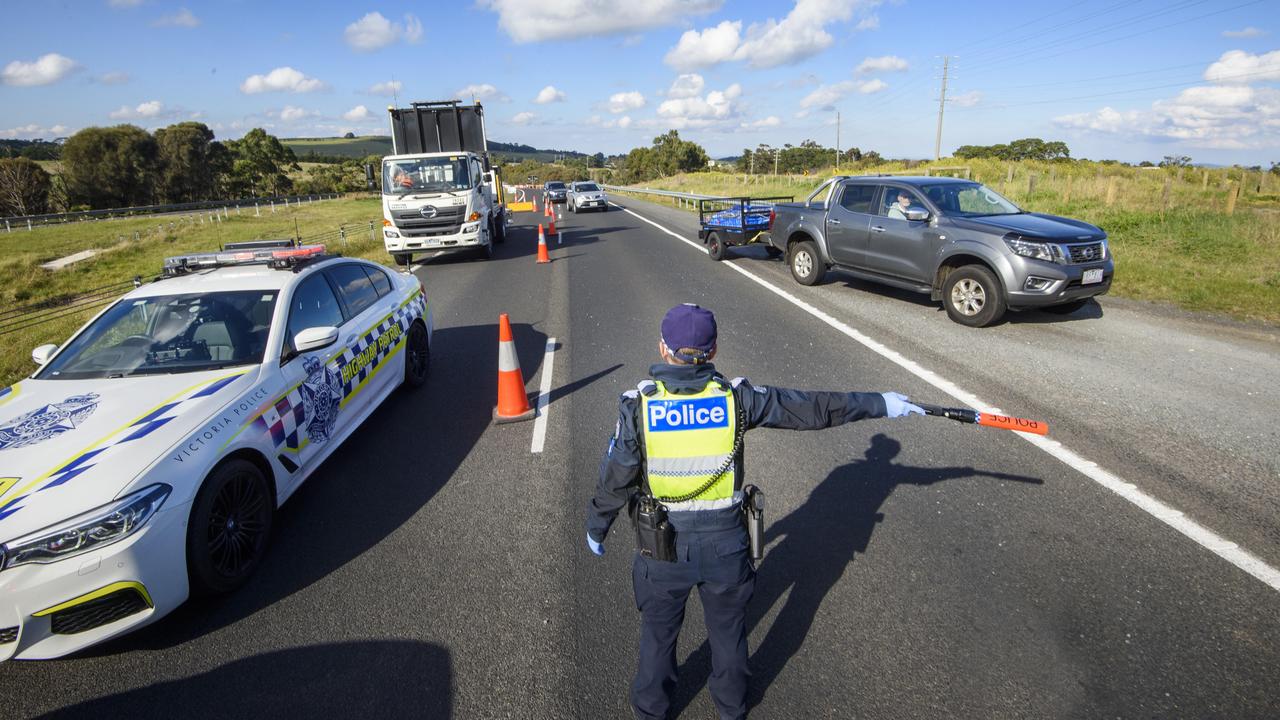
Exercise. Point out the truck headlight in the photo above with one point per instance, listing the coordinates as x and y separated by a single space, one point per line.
391 233
95 529
1036 250
470 228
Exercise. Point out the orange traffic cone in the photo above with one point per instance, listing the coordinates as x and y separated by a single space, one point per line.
552 229
542 247
513 403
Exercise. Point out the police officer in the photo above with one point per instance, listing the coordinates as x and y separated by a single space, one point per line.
677 433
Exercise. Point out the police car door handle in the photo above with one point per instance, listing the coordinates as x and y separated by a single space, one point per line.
877 228
350 339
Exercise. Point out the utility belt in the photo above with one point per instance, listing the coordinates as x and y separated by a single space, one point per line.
656 536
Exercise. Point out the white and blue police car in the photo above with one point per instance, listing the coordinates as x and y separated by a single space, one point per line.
144 461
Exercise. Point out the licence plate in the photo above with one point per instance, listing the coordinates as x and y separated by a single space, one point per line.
1091 276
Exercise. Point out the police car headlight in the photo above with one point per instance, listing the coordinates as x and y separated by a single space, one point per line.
90 531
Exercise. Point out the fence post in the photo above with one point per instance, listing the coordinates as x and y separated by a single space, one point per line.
1031 183
1053 173
273 206
1009 176
257 212
342 234
1066 195
371 236
1232 193
28 224
1204 181
1111 191
6 226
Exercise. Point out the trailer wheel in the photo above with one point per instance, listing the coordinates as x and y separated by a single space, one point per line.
715 247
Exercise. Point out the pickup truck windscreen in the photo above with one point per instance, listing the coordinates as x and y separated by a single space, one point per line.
434 174
968 200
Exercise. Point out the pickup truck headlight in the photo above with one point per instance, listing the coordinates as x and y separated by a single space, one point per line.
1036 250
95 529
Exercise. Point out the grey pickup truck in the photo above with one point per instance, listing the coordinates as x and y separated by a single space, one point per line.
956 240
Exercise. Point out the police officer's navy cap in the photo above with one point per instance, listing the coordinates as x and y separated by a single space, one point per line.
692 327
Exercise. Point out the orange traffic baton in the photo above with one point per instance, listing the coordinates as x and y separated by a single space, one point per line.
513 403
1002 422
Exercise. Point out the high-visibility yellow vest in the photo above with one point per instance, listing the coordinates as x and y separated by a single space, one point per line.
687 439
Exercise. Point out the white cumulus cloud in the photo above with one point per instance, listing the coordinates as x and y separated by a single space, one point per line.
699 111
45 70
884 63
824 97
870 22
374 32
538 20
769 122
389 88
872 86
549 94
1249 32
282 79
291 113
799 35
182 18
523 118
482 91
33 132
1237 67
357 113
149 109
624 101
687 85
969 99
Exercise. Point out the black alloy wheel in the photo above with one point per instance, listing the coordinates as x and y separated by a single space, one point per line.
229 528
715 246
417 356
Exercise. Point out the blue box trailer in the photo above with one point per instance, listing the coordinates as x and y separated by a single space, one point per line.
734 222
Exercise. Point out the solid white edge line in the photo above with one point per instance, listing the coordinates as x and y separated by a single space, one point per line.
1174 518
544 397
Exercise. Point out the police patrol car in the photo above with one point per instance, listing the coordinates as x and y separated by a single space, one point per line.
144 460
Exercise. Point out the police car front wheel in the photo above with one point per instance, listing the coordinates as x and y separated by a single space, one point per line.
417 357
230 524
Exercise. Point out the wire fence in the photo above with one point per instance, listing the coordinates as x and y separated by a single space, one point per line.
344 238
257 204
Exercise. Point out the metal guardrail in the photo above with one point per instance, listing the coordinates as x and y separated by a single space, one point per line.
22 317
662 193
31 221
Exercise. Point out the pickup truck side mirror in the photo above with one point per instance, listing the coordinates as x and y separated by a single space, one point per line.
917 214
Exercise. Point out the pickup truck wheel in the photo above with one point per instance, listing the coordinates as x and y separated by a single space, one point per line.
773 251
715 247
973 297
573 207
806 265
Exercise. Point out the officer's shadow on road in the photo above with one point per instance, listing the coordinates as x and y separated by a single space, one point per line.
814 545
374 679
376 481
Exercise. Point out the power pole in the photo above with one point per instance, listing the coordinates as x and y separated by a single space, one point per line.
776 151
942 103
837 142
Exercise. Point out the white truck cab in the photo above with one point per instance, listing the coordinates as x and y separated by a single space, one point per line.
438 191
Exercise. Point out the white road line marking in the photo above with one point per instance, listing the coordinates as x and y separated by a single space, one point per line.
1170 516
544 397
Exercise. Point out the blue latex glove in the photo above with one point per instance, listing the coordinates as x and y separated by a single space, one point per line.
896 405
597 548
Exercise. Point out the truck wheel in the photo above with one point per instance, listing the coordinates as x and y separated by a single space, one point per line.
402 259
806 265
500 230
417 357
715 248
973 297
773 252
229 527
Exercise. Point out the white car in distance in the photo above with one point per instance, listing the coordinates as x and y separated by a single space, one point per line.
587 196
145 459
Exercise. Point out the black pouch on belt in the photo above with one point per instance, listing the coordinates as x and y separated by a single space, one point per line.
753 517
655 538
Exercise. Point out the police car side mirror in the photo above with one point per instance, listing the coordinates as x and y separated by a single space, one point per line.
314 339
41 355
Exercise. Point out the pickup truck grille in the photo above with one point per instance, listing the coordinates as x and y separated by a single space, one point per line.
447 221
1086 253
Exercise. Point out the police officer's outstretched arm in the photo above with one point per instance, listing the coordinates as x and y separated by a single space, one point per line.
619 476
789 409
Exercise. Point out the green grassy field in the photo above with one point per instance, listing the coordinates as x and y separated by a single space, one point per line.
346 147
1186 251
138 246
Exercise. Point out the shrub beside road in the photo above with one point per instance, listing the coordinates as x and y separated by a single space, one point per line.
137 247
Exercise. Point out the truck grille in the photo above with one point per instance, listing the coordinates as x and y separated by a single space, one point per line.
99 612
446 221
1086 253
8 635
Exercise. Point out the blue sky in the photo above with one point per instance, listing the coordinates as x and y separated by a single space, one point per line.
1130 81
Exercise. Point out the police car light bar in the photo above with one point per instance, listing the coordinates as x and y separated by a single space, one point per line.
276 258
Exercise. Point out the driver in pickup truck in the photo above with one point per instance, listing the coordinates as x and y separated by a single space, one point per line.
899 209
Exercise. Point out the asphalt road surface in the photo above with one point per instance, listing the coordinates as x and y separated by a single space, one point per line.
436 567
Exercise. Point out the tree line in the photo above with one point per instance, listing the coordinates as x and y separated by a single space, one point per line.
125 166
1024 149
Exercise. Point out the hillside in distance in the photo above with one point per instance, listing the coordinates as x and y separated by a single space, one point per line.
359 147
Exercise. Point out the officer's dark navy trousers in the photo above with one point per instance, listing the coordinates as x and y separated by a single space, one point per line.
716 561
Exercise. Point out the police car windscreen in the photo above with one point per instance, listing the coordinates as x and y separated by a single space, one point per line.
169 334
